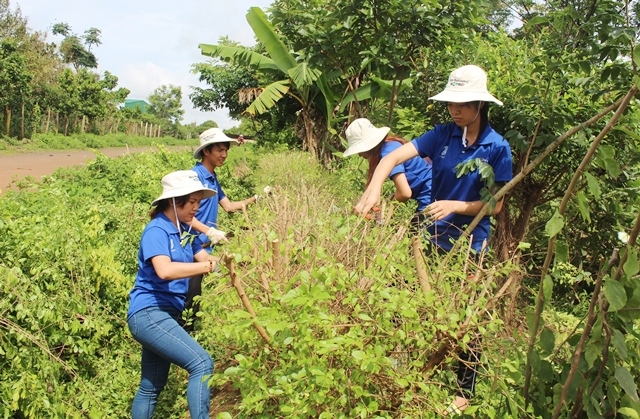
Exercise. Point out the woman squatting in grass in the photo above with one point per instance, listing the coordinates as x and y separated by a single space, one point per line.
168 256
411 178
455 201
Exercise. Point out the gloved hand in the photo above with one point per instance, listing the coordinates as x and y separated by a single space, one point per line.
216 236
267 190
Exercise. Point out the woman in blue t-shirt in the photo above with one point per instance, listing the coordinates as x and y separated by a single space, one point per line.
455 201
169 254
411 178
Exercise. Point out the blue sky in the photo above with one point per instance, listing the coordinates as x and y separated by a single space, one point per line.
150 43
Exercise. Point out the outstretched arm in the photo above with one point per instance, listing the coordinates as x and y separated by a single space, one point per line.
371 195
233 206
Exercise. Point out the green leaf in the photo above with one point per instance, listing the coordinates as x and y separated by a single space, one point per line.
594 186
629 412
626 381
592 352
537 20
618 341
562 252
238 55
583 206
554 225
631 264
269 96
636 55
547 340
615 294
267 36
547 288
359 355
613 167
302 75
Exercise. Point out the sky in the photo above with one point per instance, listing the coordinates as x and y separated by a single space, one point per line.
149 43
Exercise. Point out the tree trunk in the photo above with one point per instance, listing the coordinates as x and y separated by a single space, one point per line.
66 125
57 122
22 122
7 119
46 127
83 124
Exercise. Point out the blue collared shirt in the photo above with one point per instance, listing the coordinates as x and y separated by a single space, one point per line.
161 237
417 172
443 144
208 211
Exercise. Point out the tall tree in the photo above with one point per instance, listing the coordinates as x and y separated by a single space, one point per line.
14 80
165 103
74 51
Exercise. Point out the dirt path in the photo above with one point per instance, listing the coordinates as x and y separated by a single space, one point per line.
18 166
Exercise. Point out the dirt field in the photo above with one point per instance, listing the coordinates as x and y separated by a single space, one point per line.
18 166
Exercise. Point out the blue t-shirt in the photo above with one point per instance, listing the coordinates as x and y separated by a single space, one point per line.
443 144
417 172
208 211
161 237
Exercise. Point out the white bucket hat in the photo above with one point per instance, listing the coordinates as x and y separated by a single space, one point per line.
466 84
211 136
181 183
362 136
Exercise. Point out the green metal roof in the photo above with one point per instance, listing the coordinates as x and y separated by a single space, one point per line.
133 103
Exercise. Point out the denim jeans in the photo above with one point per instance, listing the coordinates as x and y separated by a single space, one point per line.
165 342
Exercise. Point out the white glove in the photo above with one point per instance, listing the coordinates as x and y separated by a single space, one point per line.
216 236
267 190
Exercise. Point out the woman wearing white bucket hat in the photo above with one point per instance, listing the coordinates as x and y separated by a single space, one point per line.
412 178
167 257
455 201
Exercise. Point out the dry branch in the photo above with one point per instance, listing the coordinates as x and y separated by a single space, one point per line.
228 260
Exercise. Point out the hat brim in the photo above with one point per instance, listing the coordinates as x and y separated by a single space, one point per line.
174 193
370 142
464 97
198 153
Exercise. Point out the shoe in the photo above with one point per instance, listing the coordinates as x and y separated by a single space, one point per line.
456 407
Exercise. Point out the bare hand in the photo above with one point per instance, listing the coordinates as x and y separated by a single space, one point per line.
440 209
368 200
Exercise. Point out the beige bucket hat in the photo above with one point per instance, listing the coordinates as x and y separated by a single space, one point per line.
181 183
362 136
211 136
466 84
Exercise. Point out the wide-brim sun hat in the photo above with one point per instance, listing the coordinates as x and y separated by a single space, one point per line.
362 136
211 136
182 183
466 84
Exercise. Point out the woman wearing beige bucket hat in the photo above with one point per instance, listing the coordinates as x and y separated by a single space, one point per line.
168 256
455 200
412 178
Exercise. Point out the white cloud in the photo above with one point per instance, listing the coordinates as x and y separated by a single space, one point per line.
148 44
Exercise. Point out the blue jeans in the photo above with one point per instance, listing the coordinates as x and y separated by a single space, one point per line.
165 342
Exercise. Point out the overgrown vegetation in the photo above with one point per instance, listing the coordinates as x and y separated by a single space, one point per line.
348 328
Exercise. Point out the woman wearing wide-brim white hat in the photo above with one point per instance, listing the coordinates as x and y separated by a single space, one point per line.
168 256
412 178
456 196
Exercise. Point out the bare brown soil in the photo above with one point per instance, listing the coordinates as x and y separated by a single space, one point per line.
17 166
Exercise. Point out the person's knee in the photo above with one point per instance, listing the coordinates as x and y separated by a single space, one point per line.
203 365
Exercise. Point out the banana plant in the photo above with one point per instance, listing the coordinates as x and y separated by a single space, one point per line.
308 86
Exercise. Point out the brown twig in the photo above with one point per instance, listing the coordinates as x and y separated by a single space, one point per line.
416 245
228 260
